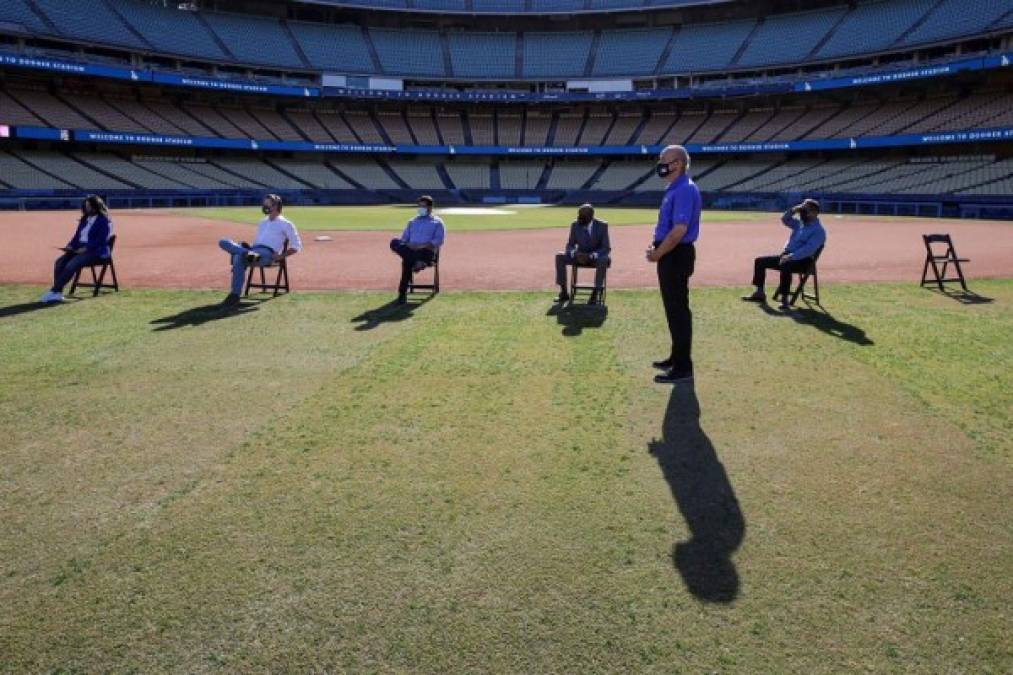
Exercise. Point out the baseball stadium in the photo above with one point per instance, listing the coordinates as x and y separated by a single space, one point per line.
509 336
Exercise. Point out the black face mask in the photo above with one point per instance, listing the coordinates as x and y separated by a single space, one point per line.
662 169
583 221
266 210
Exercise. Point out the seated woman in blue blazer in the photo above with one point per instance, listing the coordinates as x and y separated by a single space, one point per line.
89 245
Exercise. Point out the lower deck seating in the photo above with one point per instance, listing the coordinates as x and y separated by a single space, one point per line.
31 169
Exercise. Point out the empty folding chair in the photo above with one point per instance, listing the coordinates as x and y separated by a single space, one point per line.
947 258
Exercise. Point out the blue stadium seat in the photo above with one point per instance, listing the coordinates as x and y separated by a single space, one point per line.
392 4
556 54
783 38
616 4
510 6
483 54
704 47
952 18
341 48
558 5
162 27
630 52
873 26
89 20
17 14
409 52
443 5
255 39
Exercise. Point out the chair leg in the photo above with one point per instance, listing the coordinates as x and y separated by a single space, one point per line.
112 271
799 290
277 281
960 275
249 282
939 277
816 286
925 271
101 278
436 278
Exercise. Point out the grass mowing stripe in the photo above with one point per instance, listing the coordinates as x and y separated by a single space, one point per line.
476 492
99 445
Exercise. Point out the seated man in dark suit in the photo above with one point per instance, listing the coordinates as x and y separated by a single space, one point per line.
806 238
588 245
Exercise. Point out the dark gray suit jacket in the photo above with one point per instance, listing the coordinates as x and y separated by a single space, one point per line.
597 241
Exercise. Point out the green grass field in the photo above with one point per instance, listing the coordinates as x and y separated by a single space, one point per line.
512 217
319 483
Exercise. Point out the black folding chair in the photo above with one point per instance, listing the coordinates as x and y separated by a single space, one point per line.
576 288
280 284
434 287
98 280
803 278
949 257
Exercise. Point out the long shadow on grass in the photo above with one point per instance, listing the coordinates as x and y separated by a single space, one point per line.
964 297
575 317
390 312
824 321
198 316
24 308
705 498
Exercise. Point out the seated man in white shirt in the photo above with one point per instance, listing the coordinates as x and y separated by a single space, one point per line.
268 246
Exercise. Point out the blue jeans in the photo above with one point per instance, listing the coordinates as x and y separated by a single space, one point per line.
67 266
239 263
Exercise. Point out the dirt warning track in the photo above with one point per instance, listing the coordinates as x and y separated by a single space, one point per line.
158 249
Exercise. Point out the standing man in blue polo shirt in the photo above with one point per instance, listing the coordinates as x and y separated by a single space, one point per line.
418 244
675 255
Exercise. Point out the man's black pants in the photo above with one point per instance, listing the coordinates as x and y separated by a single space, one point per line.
674 271
773 262
409 257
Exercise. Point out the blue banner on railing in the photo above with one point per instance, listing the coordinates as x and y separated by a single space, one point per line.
126 138
71 67
42 133
236 86
937 70
555 97
785 85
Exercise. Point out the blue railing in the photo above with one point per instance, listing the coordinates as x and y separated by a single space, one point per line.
800 84
845 144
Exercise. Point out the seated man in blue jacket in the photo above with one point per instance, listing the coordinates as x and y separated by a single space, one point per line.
88 246
418 244
588 244
807 236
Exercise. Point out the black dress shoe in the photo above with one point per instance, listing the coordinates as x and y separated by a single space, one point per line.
402 298
230 300
662 365
563 297
673 376
595 299
755 297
